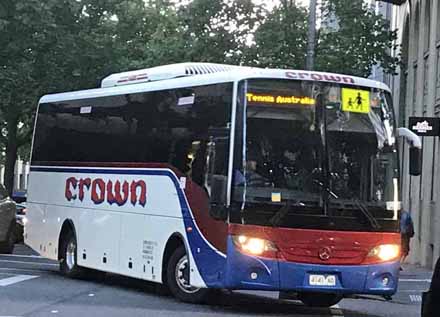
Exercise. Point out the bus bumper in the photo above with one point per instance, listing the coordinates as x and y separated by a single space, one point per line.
255 273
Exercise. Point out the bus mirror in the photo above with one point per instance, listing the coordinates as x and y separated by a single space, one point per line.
415 150
415 161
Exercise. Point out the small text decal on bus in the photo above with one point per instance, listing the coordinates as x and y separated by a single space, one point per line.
114 193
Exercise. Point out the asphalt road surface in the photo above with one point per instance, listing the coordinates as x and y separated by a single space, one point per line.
32 286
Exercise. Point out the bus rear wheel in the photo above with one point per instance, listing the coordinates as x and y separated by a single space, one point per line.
319 299
178 279
69 251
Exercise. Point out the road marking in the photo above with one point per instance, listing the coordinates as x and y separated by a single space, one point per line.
32 271
427 280
336 311
16 279
411 290
20 256
32 263
415 298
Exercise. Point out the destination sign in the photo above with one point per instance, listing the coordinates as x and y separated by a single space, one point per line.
279 99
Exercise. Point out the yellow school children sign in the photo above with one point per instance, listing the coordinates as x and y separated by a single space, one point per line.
355 100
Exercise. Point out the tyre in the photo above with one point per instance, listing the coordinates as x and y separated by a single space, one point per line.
7 247
69 265
178 279
319 299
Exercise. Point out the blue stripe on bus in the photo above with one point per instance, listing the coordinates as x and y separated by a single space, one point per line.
209 262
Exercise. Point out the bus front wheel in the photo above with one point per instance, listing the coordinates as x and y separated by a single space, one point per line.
178 279
69 250
319 299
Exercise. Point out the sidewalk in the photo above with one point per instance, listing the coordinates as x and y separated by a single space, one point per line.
415 270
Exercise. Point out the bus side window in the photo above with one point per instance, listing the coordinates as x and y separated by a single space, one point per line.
198 163
216 161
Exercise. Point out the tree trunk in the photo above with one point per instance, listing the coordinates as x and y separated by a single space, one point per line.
11 155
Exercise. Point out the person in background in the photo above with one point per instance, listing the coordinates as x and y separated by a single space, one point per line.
407 232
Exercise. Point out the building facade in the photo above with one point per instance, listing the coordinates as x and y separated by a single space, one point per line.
417 93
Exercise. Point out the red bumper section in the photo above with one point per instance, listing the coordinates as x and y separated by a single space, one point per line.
320 246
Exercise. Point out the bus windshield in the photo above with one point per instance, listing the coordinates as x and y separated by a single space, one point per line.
316 155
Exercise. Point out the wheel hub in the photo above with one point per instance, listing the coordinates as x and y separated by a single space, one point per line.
182 276
70 255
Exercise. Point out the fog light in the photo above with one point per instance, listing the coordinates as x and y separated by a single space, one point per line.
254 275
385 281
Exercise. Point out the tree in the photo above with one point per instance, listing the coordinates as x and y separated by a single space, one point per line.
281 39
218 30
45 47
61 45
353 38
20 38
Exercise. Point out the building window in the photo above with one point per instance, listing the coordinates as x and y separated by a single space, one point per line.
427 25
416 33
438 23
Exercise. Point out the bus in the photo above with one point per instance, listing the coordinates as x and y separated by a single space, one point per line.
204 176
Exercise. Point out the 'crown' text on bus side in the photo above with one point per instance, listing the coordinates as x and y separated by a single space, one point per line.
114 193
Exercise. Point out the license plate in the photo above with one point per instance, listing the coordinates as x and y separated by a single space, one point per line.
322 280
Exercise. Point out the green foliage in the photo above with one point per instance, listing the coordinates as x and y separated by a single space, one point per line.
218 30
61 45
354 39
281 40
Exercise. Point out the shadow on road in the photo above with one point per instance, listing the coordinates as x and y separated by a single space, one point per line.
141 294
224 302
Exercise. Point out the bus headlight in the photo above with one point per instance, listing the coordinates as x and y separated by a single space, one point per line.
386 252
254 246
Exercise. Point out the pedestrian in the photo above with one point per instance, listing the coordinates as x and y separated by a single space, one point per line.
407 232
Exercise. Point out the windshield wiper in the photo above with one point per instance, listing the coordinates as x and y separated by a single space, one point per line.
275 220
367 214
358 203
326 188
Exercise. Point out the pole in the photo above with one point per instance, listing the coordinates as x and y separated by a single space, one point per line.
311 35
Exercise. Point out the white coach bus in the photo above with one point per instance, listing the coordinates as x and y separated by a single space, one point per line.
203 176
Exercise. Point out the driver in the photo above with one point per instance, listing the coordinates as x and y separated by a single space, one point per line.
252 178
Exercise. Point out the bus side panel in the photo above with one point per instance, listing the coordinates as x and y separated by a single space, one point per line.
55 217
98 238
161 229
133 223
35 233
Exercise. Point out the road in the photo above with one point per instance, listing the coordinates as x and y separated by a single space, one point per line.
32 286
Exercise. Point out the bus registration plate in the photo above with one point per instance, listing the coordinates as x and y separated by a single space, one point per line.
322 280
